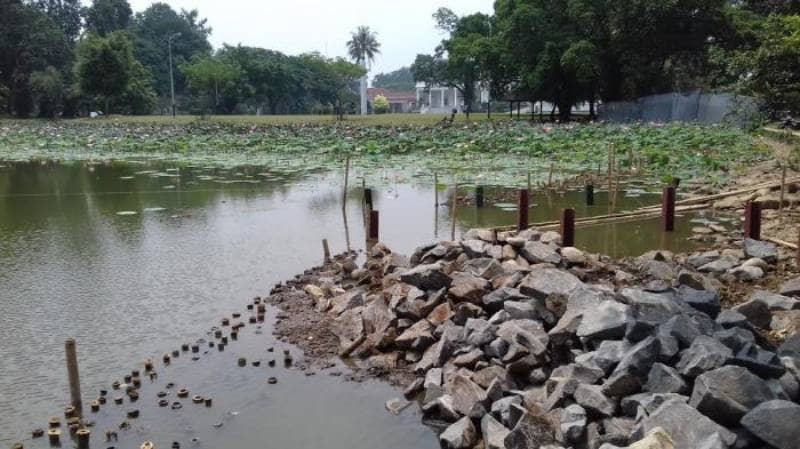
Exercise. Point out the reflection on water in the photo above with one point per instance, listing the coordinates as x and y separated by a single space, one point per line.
131 259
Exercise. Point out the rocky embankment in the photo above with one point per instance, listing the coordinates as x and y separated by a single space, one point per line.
516 342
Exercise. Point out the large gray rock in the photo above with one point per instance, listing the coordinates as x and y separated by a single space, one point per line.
647 403
573 423
776 423
686 425
538 252
495 300
591 397
705 354
418 337
774 301
543 282
607 355
757 313
475 248
479 332
494 433
726 394
786 320
436 355
607 321
765 251
466 287
758 360
640 358
502 410
705 301
527 333
665 379
790 287
720 265
459 435
519 310
532 430
426 277
659 270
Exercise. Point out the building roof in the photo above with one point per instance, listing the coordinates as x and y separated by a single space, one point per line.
392 95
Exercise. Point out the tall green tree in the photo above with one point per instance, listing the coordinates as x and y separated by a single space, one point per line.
362 47
47 87
65 13
400 79
209 77
152 29
106 66
30 41
107 16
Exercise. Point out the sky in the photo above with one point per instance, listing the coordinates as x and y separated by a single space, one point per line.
405 27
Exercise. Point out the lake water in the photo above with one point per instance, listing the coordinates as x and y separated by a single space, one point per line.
133 259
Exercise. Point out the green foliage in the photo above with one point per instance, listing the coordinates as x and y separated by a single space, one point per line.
209 76
104 17
380 104
152 28
106 66
47 87
400 79
503 152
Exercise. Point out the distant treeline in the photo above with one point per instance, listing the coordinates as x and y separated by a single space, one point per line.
568 52
58 58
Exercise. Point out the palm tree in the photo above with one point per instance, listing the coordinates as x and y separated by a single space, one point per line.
362 47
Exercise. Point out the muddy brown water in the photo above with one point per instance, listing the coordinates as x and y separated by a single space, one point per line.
133 259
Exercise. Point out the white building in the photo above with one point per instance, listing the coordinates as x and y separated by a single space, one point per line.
437 99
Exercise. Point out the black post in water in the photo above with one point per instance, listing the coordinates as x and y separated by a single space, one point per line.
668 209
590 194
568 227
479 196
752 220
522 218
368 198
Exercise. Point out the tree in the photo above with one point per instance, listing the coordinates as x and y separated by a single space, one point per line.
30 41
772 71
107 16
105 66
400 79
151 29
65 13
380 105
362 47
47 87
208 76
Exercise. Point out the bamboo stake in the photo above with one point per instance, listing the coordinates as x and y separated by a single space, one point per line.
716 196
781 242
453 209
783 190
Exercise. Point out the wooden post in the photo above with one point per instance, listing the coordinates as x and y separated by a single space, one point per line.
752 220
798 249
436 189
568 227
783 190
374 224
479 196
326 251
668 209
590 194
72 375
453 207
368 198
524 202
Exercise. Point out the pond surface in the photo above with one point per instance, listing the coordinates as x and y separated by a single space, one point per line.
133 259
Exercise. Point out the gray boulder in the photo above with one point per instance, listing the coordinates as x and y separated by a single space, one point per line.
494 433
790 287
608 321
543 282
573 423
591 397
705 354
538 252
765 251
466 287
532 430
705 301
721 265
502 410
774 301
726 394
494 300
776 423
685 424
756 312
648 402
640 358
459 435
665 379
426 277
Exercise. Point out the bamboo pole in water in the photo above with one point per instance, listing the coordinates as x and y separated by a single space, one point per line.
344 201
73 375
453 209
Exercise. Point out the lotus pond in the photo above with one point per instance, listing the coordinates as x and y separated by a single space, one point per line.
135 238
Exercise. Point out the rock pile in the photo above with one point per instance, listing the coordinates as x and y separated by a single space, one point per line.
518 342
